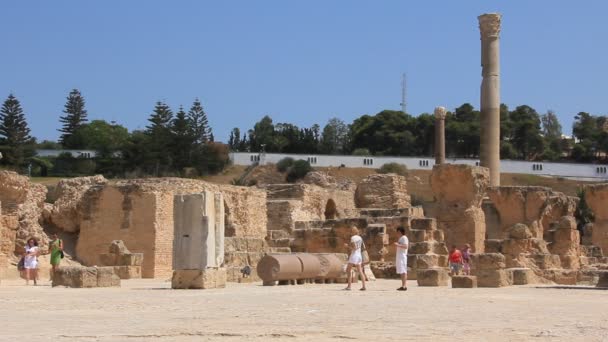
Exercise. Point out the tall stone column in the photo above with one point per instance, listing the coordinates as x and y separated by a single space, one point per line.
439 135
489 26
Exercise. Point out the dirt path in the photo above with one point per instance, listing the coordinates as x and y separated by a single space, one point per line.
147 310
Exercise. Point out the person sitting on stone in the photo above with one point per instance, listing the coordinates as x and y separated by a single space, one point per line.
355 259
455 260
466 259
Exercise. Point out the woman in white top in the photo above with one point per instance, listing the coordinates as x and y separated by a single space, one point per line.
401 258
30 261
356 258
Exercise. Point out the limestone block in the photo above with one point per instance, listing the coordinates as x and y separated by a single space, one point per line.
131 259
438 235
75 276
118 247
570 262
592 251
560 276
128 272
493 278
385 270
522 276
488 261
432 277
546 261
514 247
382 191
493 246
422 261
427 247
108 259
209 278
603 279
106 277
463 281
519 231
423 224
418 235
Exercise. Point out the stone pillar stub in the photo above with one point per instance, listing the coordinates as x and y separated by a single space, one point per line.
196 231
440 113
489 27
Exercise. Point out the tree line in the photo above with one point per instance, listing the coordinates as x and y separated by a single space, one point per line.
178 144
182 142
524 135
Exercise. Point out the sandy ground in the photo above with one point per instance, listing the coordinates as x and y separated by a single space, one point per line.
147 310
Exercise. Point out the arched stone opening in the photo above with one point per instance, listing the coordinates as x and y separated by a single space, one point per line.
330 210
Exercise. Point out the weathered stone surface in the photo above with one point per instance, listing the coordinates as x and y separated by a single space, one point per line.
77 276
493 246
140 213
118 247
131 259
128 272
387 270
458 191
382 191
209 278
596 197
536 207
24 200
432 277
66 213
327 181
519 231
602 279
488 261
522 276
424 224
493 278
463 281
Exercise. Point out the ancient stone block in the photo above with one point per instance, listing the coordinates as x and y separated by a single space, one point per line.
106 277
417 235
432 277
423 223
75 276
493 278
514 247
522 276
561 276
427 247
382 191
385 270
108 259
425 261
602 279
519 231
209 278
131 259
570 262
488 261
493 246
118 247
128 272
463 281
546 261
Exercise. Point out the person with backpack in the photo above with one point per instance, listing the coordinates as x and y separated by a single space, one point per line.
56 250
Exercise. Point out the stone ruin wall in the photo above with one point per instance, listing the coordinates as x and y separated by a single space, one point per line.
140 213
596 197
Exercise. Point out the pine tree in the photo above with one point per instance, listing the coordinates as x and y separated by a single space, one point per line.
199 123
18 144
182 139
159 132
75 117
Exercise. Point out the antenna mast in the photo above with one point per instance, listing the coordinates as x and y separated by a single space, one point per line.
403 94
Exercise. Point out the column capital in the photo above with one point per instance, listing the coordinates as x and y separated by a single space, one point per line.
489 25
440 113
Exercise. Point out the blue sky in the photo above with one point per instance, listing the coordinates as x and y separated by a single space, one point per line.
301 62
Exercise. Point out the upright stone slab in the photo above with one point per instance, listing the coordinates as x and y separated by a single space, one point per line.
464 281
198 243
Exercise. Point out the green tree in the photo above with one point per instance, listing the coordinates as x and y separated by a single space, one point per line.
103 137
386 133
17 144
463 131
334 137
198 123
526 134
552 133
262 134
234 142
183 139
161 136
75 116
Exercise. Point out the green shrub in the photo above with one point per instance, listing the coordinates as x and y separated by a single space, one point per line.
298 170
361 152
399 169
284 164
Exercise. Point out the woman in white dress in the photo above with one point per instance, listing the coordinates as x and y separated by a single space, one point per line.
355 259
401 258
30 261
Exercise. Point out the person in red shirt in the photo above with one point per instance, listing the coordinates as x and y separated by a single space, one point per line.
455 260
